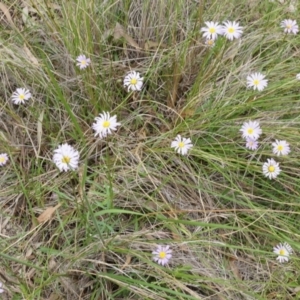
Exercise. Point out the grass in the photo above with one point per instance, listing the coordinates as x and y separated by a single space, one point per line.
132 192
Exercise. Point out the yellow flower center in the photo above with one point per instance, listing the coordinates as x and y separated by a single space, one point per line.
66 160
212 30
133 81
288 26
106 124
162 254
21 96
231 30
2 159
281 252
271 169
256 82
279 147
83 62
210 42
181 145
250 130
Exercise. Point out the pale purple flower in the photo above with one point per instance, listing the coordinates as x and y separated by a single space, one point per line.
290 26
3 159
162 255
251 143
82 61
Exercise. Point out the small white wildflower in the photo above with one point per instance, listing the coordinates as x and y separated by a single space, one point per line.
212 30
232 30
1 288
251 143
283 251
182 145
298 76
271 168
162 255
281 148
290 26
251 129
105 124
3 159
20 96
66 158
257 81
82 61
133 81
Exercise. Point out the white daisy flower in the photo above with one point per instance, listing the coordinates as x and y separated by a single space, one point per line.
162 255
1 288
212 30
3 159
133 81
257 81
82 61
271 168
251 143
281 148
283 251
20 96
66 158
105 124
290 26
298 76
182 145
232 30
251 130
